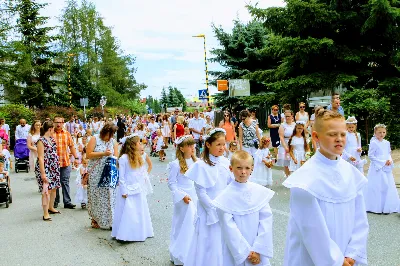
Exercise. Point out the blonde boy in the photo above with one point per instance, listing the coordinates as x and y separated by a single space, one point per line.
245 216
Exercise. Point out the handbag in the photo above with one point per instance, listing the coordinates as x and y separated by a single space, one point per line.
110 175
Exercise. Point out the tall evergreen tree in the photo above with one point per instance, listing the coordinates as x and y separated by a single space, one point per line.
164 102
172 97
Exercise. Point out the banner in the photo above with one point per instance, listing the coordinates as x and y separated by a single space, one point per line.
239 87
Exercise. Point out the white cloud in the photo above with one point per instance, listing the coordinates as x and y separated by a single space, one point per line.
155 30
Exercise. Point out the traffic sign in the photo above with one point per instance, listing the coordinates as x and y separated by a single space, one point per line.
203 95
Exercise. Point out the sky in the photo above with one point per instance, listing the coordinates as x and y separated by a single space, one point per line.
159 34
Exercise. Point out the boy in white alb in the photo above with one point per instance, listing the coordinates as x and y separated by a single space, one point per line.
245 216
328 223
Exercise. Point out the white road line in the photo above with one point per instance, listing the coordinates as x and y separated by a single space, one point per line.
280 212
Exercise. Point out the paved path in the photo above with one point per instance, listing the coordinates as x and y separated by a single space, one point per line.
69 240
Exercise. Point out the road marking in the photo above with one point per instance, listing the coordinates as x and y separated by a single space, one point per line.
281 212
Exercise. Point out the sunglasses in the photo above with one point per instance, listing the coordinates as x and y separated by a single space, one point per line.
302 107
288 116
226 115
274 109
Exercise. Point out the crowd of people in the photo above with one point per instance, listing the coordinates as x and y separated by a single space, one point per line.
221 180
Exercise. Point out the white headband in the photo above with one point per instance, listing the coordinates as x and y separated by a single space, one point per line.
128 137
379 125
212 132
182 139
351 120
300 122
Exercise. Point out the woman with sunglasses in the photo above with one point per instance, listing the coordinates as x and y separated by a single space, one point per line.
229 127
274 122
302 115
248 132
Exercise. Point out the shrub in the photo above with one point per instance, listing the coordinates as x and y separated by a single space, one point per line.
53 111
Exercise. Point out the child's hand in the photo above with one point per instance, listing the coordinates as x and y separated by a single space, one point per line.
359 150
352 159
254 258
345 262
125 196
295 161
388 162
187 199
350 261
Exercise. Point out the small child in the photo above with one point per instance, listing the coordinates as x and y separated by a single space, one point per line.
298 146
381 194
184 199
245 216
3 173
328 222
232 149
211 176
262 173
147 183
7 157
159 144
81 191
186 130
352 151
132 221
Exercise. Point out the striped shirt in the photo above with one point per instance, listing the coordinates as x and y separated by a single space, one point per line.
63 141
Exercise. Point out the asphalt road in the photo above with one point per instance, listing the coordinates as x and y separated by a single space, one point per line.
69 240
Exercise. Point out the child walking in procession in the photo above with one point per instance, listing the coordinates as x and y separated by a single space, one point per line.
132 221
381 194
159 143
352 151
232 149
245 216
211 176
147 184
328 222
262 173
298 146
81 191
184 198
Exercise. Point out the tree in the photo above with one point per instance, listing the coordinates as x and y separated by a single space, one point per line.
172 97
35 62
181 98
164 102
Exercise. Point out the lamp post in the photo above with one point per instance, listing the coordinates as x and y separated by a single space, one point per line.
205 62
69 79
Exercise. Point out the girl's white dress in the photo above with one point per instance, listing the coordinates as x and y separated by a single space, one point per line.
207 245
261 175
184 215
381 194
166 131
298 152
283 156
159 144
81 191
350 150
132 221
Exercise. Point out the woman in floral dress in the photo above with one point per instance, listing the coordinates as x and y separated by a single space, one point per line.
101 201
47 169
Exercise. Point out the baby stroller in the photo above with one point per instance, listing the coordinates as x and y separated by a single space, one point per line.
5 194
21 154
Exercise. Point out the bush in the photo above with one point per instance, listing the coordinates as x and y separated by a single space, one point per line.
53 111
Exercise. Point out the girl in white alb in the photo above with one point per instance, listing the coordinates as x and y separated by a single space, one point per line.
298 147
285 132
132 221
262 173
381 194
81 191
184 198
211 176
352 150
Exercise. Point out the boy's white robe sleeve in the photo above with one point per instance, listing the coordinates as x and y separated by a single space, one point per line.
313 230
263 242
237 244
122 165
357 247
174 171
206 202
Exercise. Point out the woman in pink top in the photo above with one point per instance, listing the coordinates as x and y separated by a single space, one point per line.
229 127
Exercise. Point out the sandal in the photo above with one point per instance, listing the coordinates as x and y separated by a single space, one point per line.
95 225
47 219
56 212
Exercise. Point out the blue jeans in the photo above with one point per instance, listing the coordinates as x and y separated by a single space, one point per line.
65 173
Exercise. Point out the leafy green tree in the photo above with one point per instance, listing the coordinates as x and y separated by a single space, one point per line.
181 98
172 97
156 106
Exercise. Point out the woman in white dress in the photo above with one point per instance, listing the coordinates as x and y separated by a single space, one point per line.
298 146
33 137
184 198
166 129
352 150
132 221
285 132
211 176
381 194
302 115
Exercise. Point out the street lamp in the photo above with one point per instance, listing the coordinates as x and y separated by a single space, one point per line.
69 79
103 101
205 62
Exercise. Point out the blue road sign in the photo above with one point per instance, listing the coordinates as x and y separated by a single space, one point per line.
203 95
